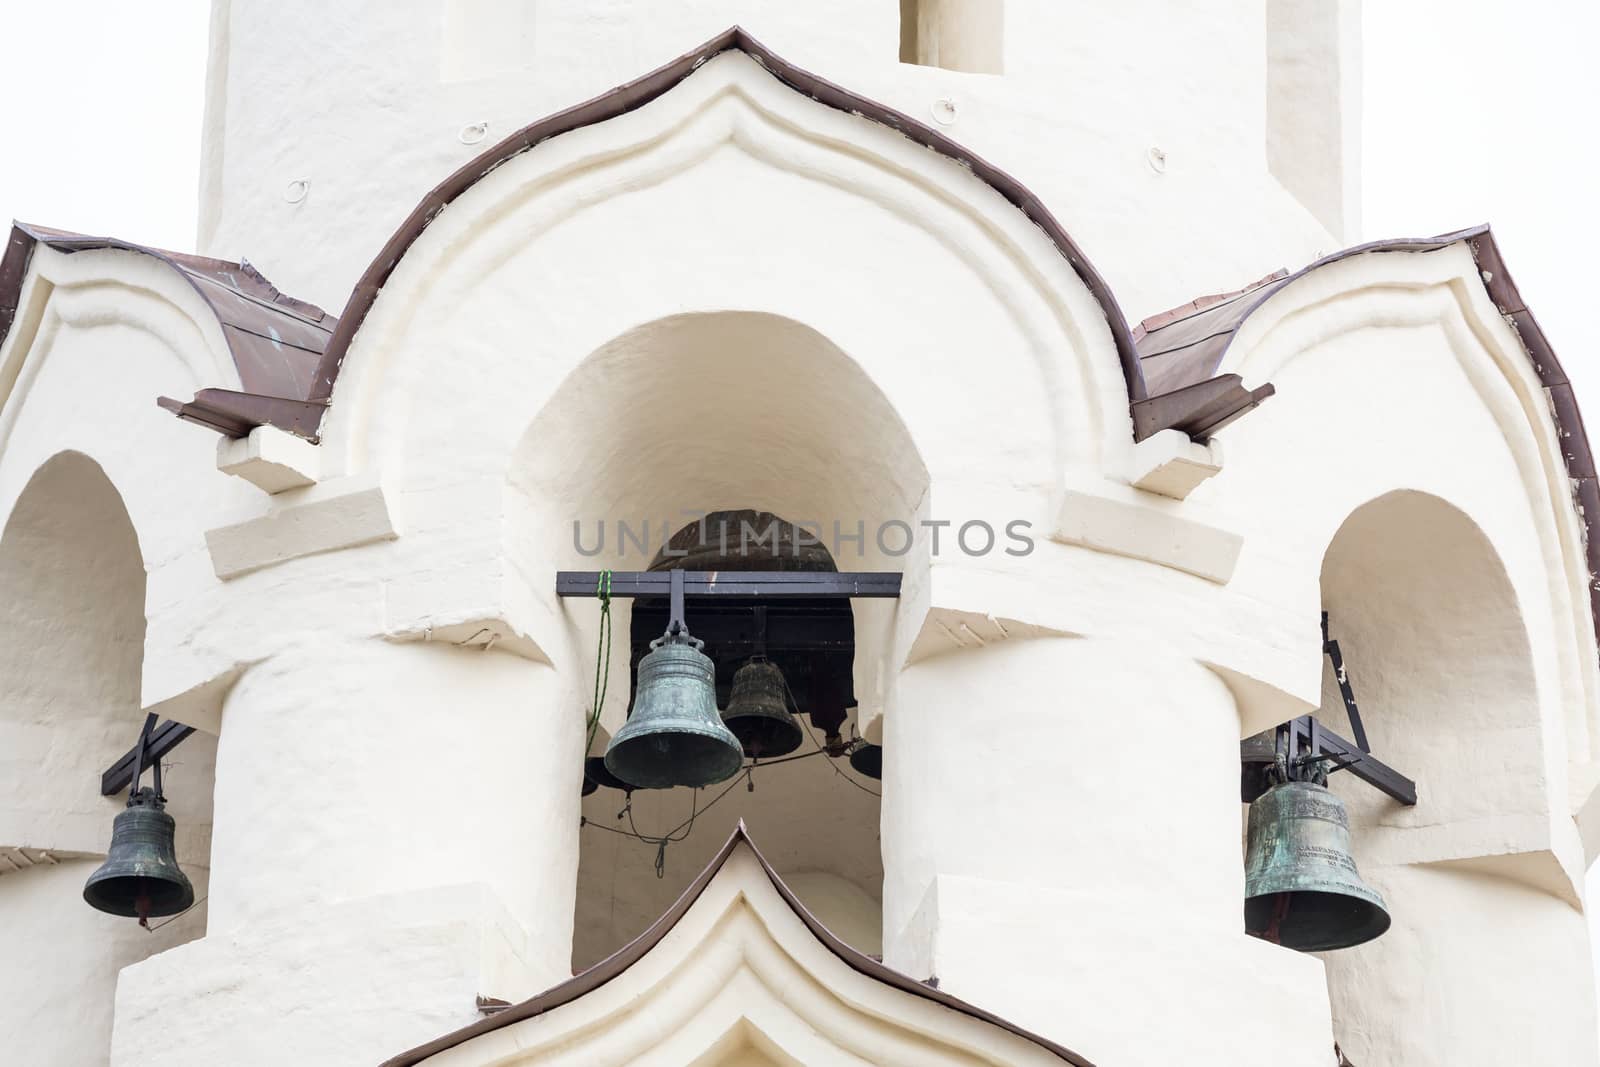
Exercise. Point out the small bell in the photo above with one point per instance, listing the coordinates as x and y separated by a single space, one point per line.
1302 889
867 759
596 774
140 877
674 735
758 712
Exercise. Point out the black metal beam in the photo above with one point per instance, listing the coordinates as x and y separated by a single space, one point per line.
765 584
163 739
1308 737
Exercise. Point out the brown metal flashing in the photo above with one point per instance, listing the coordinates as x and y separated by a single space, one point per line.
1198 410
1186 345
636 94
635 950
275 341
1183 349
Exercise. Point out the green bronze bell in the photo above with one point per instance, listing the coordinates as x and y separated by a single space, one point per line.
140 877
674 735
1302 889
758 712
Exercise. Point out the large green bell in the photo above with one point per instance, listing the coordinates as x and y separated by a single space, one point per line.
1302 889
674 735
140 876
758 711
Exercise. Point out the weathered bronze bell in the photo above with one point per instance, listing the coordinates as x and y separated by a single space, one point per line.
674 736
758 712
867 759
1302 889
140 876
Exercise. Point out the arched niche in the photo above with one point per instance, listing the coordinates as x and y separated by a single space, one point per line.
1436 649
72 595
693 414
1437 652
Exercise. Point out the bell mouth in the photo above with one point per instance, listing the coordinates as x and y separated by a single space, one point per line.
120 895
663 760
1314 921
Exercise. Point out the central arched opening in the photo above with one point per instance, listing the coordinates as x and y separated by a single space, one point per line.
724 412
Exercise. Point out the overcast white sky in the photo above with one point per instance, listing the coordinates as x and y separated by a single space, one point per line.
1476 110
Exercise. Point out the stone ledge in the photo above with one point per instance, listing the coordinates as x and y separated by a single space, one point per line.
352 513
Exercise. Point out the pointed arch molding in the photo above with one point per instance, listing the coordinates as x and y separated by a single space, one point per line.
644 90
738 962
1460 283
616 165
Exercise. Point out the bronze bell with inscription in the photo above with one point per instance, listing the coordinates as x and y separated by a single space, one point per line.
1302 889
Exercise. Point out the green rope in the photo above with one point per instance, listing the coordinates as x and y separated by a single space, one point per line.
602 658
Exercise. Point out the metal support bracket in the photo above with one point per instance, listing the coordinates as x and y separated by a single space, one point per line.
156 743
1330 648
1306 738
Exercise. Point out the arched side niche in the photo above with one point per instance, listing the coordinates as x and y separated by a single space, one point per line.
1394 368
1437 652
700 413
72 595
1436 649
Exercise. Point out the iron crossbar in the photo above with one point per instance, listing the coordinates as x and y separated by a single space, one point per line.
162 740
765 584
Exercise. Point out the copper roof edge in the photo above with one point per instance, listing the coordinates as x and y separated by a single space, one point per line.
272 338
641 91
635 950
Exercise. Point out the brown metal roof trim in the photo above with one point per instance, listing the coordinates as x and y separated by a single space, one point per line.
275 340
635 950
636 94
1184 348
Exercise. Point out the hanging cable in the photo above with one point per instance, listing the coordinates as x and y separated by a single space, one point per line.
602 659
795 707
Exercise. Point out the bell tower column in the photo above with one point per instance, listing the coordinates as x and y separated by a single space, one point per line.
1062 846
396 834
